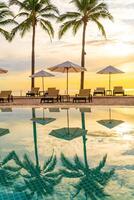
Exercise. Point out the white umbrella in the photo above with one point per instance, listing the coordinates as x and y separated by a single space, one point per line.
42 74
3 71
110 70
67 67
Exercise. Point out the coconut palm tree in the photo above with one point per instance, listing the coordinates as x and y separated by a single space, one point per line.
5 19
92 181
34 12
86 11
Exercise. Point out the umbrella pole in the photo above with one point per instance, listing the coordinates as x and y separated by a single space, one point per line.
43 114
43 84
110 114
109 81
68 120
67 81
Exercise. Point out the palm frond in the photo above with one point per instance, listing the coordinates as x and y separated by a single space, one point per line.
70 173
53 181
49 8
53 174
23 27
69 15
102 163
29 166
79 164
100 26
47 27
77 26
98 7
67 163
9 157
2 5
77 3
22 14
65 27
7 21
4 33
49 16
50 164
15 157
12 168
78 188
17 3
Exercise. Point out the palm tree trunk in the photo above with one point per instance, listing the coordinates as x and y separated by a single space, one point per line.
33 56
83 56
84 140
35 139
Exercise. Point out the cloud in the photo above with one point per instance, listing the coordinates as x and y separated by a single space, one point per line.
129 22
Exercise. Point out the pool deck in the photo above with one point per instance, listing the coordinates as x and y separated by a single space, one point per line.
100 101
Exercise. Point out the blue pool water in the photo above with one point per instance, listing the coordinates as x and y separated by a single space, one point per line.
56 153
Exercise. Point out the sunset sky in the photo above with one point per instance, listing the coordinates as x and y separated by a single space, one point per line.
117 50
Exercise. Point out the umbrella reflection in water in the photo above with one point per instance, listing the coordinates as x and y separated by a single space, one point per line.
110 123
43 120
4 131
68 133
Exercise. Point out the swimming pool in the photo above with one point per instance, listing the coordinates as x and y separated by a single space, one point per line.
76 153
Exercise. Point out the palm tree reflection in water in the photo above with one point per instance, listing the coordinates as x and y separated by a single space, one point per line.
8 174
92 181
38 181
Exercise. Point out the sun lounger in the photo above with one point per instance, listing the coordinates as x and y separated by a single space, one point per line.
84 95
99 90
34 92
6 96
51 96
118 90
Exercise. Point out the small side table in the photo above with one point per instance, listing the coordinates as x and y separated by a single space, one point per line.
65 97
109 93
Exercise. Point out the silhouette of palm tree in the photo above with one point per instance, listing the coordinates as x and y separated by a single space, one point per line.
92 181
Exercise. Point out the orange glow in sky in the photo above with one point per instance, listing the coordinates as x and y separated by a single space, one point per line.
117 50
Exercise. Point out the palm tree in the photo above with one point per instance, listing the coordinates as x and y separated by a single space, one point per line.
92 181
5 18
87 11
35 12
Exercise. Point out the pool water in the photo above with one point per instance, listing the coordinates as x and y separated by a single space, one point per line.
76 153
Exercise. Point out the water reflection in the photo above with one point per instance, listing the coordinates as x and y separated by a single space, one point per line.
110 123
4 131
91 181
40 180
8 173
68 133
6 109
42 120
